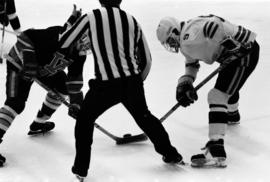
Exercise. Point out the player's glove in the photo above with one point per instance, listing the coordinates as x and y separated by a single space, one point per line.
185 92
76 14
73 110
235 48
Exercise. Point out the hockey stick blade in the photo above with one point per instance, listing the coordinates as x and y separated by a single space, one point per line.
131 139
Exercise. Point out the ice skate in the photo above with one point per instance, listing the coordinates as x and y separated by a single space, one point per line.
40 128
178 159
233 118
214 156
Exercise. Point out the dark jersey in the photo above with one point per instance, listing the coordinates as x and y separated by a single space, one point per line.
8 14
45 42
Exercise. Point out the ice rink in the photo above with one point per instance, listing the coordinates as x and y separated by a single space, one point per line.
49 158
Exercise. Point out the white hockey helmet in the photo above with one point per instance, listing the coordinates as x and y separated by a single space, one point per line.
168 33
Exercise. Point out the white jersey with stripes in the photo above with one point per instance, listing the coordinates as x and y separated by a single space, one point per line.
200 39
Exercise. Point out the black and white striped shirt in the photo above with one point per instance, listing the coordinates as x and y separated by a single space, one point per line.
118 44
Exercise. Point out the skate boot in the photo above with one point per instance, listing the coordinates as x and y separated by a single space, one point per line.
2 158
40 128
233 117
214 156
177 159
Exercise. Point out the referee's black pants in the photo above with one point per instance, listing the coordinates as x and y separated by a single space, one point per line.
103 95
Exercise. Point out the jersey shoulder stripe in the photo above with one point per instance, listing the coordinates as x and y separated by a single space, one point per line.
210 28
242 34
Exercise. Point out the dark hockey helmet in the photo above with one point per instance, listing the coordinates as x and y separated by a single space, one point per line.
110 2
83 45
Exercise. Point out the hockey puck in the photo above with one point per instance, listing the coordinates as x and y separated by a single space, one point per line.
127 135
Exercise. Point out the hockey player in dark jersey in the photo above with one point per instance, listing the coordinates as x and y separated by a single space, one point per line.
8 15
70 85
36 54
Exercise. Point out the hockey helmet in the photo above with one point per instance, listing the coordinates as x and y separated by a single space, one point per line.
168 33
84 44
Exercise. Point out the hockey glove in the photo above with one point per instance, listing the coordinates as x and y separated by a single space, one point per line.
185 92
235 48
75 100
76 14
73 110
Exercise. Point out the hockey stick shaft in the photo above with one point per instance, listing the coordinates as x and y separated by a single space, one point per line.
3 36
222 66
118 140
202 83
2 44
8 31
66 103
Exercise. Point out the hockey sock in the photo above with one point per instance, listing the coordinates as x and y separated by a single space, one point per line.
7 115
49 106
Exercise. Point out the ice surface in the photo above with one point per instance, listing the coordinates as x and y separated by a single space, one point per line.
49 158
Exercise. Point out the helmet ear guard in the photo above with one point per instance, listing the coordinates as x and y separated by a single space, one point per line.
168 33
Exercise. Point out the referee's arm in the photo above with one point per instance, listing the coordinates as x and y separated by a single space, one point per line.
144 56
75 32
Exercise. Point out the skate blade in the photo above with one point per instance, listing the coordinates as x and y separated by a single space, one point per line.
209 163
233 123
39 132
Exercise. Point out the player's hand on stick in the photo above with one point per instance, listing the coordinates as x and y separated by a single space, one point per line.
185 92
73 110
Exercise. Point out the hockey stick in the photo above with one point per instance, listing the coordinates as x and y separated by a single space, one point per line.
225 62
222 66
8 31
127 138
3 35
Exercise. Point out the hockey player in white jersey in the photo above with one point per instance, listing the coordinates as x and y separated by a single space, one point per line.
209 39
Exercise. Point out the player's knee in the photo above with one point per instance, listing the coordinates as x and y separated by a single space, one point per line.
16 104
217 97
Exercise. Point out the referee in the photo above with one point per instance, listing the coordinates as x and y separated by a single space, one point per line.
122 61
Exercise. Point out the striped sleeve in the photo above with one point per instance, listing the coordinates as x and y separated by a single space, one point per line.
75 32
239 33
244 35
144 56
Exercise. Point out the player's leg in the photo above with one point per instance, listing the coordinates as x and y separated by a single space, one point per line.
50 105
214 154
98 99
249 64
134 101
17 90
227 86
